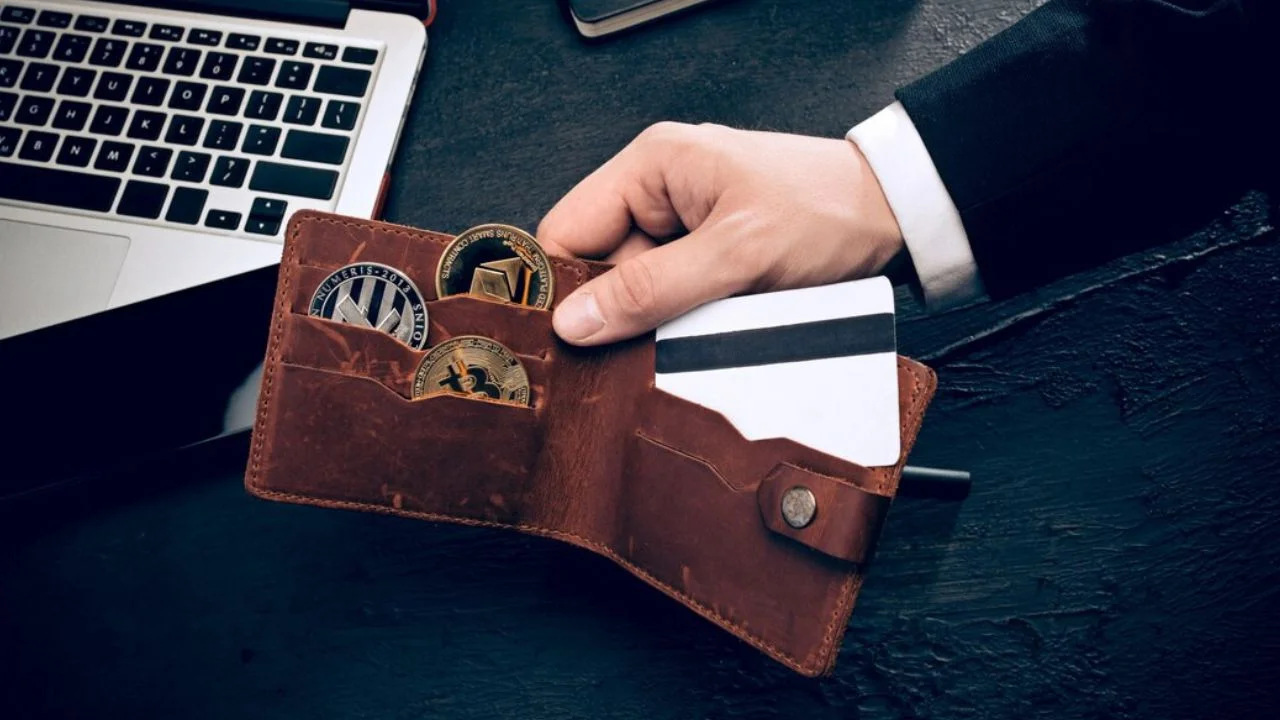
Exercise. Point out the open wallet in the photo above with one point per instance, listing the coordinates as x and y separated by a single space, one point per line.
601 459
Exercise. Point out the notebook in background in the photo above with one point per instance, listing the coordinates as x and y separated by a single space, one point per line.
595 18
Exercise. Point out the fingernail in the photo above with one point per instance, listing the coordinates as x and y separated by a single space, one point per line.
578 317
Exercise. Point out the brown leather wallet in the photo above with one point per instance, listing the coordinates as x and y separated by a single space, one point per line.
666 488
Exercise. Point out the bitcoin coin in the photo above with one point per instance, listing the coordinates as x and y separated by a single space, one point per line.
497 262
472 365
374 296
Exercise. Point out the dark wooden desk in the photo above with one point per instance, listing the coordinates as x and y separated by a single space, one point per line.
1118 556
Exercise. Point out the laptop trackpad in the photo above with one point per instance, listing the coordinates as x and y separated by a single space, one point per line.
51 274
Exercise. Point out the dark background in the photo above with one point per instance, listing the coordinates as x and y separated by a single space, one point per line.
1118 555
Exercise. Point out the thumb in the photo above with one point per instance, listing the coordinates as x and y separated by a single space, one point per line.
648 289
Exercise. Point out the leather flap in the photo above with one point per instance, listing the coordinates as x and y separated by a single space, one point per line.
829 515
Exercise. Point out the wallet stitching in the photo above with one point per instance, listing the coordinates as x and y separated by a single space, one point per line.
835 629
689 456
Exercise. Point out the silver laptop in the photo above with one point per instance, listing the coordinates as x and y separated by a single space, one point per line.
152 147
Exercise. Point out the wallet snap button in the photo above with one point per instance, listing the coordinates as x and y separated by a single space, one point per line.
799 506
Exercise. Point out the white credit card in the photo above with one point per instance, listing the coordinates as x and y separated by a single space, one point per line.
816 365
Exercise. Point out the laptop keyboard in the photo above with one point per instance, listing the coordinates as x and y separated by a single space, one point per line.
194 126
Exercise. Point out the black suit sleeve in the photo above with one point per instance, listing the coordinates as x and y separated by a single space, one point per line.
1092 128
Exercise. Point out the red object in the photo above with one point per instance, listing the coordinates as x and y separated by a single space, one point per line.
431 13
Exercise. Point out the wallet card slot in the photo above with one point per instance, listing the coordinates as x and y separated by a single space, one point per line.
352 440
709 437
352 350
525 330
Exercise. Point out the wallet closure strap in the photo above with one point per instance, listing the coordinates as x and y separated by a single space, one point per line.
828 514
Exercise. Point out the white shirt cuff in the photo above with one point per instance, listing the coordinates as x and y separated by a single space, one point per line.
930 223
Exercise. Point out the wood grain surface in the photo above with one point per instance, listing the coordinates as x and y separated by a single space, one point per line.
1119 555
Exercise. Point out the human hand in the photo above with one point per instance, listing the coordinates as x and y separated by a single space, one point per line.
694 213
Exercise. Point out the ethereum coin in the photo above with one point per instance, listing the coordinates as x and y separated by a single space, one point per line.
497 262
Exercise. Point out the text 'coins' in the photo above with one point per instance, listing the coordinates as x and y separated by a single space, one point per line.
472 365
374 296
497 262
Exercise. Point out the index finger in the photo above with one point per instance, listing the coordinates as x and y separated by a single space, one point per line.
598 214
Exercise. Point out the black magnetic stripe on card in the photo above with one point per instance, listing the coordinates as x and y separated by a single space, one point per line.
841 337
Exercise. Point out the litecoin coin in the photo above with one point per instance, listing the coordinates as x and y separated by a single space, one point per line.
374 296
497 262
472 365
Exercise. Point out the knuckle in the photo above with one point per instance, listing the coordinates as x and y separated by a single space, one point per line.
634 291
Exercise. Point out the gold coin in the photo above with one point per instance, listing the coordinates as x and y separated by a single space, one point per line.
475 366
497 262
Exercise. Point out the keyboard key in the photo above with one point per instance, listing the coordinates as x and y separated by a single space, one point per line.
38 146
171 33
76 81
229 172
107 52
72 115
114 156
109 120
72 48
152 161
261 140
237 41
315 147
17 14
150 91
320 51
211 38
280 179
35 43
360 56
145 57
218 66
294 75
113 86
76 151
8 38
52 186
263 105
262 226
146 125
340 115
54 19
9 72
184 130
34 110
257 70
91 23
181 61
8 140
191 166
278 46
225 100
302 110
39 77
187 96
223 135
128 28
142 199
8 101
222 219
269 208
187 205
337 80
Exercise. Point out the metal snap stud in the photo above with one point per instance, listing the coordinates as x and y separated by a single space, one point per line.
799 506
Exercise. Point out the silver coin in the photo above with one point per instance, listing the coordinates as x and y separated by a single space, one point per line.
374 296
